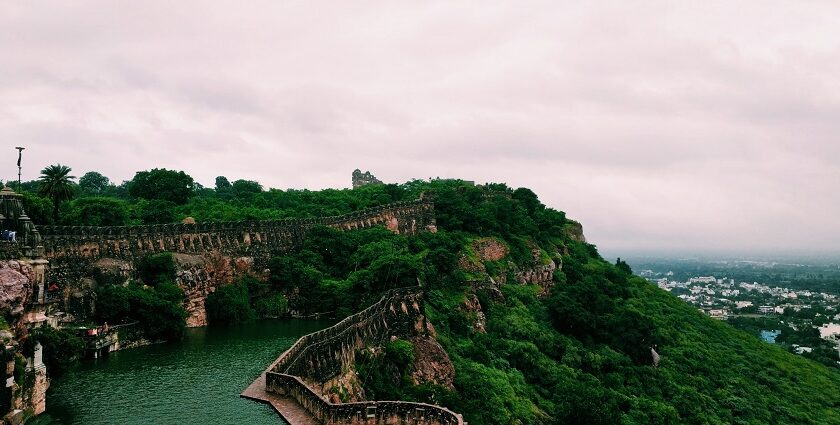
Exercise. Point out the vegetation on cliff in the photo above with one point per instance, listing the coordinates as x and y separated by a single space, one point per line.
576 348
244 301
155 301
61 348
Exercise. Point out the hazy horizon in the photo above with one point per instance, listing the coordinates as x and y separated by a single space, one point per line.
661 127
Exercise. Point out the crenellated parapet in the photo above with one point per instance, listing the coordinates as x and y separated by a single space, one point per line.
365 412
245 237
208 254
319 356
324 354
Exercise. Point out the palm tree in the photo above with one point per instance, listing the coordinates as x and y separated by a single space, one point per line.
56 184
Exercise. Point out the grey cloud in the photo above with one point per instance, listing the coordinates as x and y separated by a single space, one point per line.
659 125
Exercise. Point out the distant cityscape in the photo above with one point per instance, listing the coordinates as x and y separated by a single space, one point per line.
795 306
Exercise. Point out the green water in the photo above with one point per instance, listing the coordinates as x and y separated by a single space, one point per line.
196 381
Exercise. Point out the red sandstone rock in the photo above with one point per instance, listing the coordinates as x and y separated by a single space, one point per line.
16 286
490 249
432 363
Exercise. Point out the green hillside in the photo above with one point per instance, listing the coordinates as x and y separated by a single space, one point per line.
573 350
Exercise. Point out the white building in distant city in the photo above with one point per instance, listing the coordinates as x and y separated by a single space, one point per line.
718 314
702 279
766 309
830 331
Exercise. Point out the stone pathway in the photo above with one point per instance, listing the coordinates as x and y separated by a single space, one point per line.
287 407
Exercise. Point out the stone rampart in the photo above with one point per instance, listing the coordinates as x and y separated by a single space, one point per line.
366 412
232 238
208 255
322 355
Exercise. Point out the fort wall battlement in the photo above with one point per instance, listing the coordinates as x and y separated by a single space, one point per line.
232 238
322 355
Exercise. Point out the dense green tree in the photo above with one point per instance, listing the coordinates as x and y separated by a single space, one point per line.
229 305
155 211
167 185
222 184
241 188
39 209
159 311
61 348
96 211
154 269
56 183
623 267
94 183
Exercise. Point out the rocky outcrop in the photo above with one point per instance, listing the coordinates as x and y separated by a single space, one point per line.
431 363
575 231
40 385
541 272
490 249
472 307
16 286
343 388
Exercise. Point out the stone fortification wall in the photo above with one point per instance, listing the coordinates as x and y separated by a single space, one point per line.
365 412
235 238
322 355
207 255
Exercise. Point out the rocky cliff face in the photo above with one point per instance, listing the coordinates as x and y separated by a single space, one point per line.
16 286
575 231
200 275
197 275
490 249
344 388
540 271
431 363
472 307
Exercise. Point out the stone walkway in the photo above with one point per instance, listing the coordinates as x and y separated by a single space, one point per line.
287 407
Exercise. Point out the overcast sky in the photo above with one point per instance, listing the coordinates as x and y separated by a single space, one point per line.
661 126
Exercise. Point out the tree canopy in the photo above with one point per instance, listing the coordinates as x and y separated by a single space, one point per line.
166 185
56 183
94 183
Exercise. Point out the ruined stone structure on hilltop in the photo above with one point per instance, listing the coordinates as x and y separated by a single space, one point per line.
363 179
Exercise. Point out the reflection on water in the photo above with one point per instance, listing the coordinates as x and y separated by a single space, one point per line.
196 381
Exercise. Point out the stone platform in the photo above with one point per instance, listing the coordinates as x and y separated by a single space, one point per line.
288 408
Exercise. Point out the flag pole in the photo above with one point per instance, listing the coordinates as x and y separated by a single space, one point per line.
20 155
